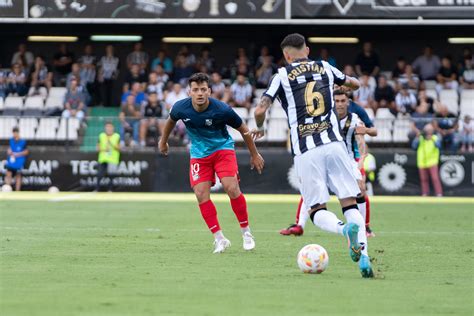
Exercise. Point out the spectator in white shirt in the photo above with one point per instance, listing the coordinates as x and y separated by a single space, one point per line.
466 131
405 100
23 57
409 78
217 86
365 94
155 86
138 56
107 74
173 96
241 92
17 81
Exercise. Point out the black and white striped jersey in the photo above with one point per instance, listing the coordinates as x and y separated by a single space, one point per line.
348 126
305 90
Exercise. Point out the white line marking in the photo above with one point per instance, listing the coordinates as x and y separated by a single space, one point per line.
76 196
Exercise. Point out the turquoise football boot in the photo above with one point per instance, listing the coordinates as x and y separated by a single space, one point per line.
350 231
365 267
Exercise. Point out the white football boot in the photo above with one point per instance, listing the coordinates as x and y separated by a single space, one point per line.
220 245
249 242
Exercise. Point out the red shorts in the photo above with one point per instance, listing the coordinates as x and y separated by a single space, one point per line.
362 170
222 162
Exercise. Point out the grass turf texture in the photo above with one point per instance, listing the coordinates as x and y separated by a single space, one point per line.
154 258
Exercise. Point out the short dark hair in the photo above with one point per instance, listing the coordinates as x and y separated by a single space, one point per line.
199 78
293 40
15 129
340 92
108 123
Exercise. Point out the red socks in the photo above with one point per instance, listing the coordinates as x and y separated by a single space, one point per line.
209 214
298 211
367 207
239 206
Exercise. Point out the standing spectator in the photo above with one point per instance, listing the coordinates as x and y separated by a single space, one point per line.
182 70
62 63
264 54
349 71
3 85
206 60
241 93
130 119
23 57
365 94
108 147
74 102
446 125
466 131
447 75
409 78
190 59
242 57
163 60
138 57
367 61
88 63
427 65
40 75
134 75
17 81
153 116
324 56
265 72
177 93
17 154
108 73
139 96
405 100
399 67
155 86
427 147
217 86
384 96
76 74
467 74
420 118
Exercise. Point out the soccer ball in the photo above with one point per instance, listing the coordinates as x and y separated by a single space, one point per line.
6 188
313 259
53 190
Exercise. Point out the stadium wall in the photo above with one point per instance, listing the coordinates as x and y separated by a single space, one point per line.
396 173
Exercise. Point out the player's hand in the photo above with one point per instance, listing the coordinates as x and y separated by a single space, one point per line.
361 130
257 162
256 133
163 147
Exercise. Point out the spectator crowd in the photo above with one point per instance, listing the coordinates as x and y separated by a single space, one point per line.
152 84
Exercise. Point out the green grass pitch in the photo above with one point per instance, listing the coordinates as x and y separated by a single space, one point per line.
125 254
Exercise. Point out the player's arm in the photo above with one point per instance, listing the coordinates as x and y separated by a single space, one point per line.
362 149
344 80
163 144
362 130
256 160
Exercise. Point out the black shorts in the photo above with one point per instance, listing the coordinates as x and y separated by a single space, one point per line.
13 171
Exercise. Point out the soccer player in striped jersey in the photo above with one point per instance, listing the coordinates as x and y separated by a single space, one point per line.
305 89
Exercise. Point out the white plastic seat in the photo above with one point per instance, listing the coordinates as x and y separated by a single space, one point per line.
33 106
432 93
59 92
235 134
54 103
430 84
277 130
13 106
384 113
467 94
277 111
242 112
6 126
450 99
27 127
47 129
370 113
2 104
401 128
384 135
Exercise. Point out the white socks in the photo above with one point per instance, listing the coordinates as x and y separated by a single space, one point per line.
304 215
219 235
328 221
245 229
353 216
362 207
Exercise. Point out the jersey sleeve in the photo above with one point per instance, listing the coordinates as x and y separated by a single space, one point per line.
274 87
232 118
339 76
362 114
174 112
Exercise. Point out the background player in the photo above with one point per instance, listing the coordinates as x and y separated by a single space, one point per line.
17 154
305 89
212 152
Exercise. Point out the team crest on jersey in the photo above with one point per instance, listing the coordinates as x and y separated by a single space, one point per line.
208 122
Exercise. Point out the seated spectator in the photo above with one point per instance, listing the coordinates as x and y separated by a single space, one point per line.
242 57
410 79
405 100
466 75
153 119
3 85
241 68
466 131
23 57
364 96
138 57
130 116
171 97
264 53
324 55
367 61
446 125
399 67
161 75
427 65
349 71
40 75
139 96
76 74
164 61
190 59
155 86
206 59
384 96
424 98
134 75
74 102
182 70
88 63
17 81
265 72
419 119
447 75
241 93
62 63
107 75
217 86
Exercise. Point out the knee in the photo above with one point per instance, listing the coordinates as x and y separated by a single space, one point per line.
202 195
232 189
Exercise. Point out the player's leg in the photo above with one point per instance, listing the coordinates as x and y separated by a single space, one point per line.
8 177
362 204
143 130
226 168
201 177
302 216
18 181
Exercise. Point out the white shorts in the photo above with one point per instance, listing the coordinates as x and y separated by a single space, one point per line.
355 166
323 167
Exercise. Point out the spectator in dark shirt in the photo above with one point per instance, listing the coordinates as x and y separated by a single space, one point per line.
217 86
265 72
206 59
3 85
130 119
427 65
399 67
182 70
153 116
134 75
324 55
446 125
138 57
62 63
74 102
264 53
40 75
424 98
190 59
405 100
384 96
367 61
447 75
410 79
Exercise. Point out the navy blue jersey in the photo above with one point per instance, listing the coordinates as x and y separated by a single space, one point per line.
208 129
360 111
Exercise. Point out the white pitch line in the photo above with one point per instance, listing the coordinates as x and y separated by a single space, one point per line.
76 196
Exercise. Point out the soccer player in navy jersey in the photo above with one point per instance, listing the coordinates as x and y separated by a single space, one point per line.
212 153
